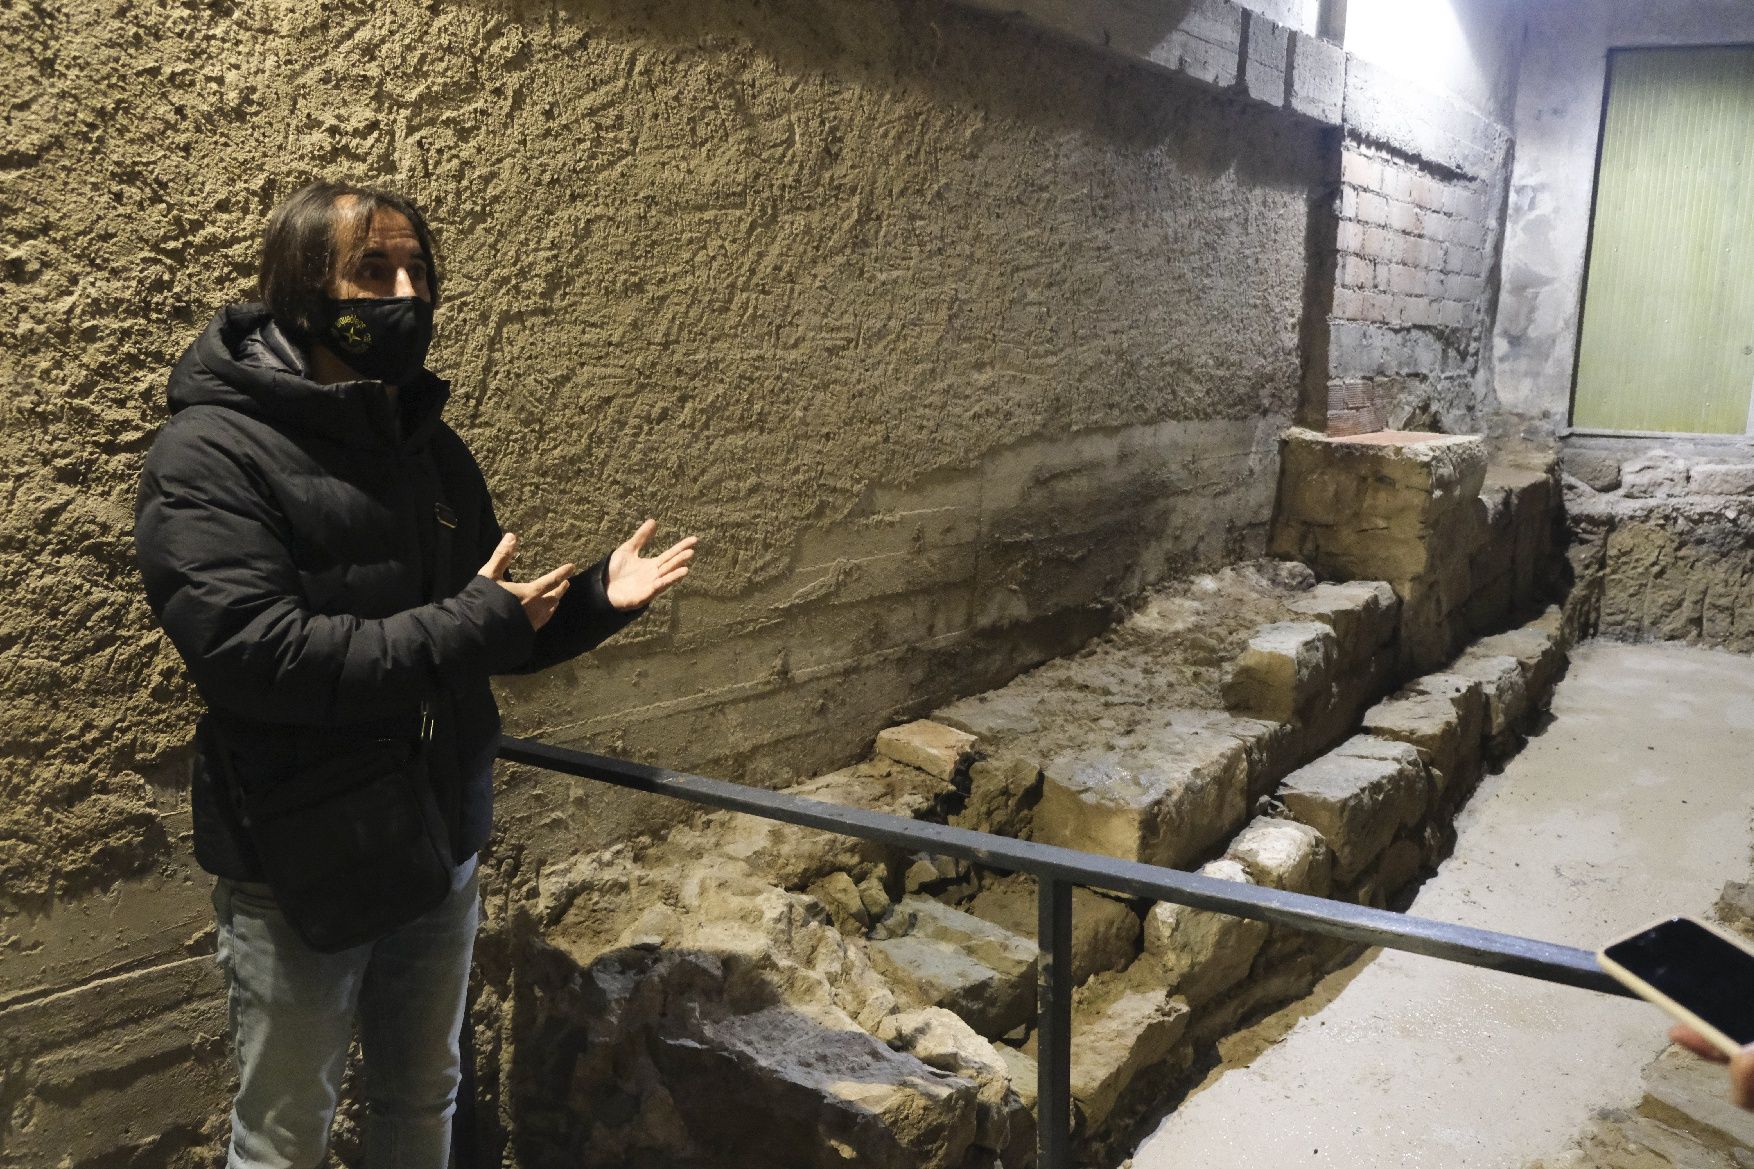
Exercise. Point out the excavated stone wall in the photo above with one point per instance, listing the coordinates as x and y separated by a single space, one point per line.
1467 542
877 1007
942 335
1662 540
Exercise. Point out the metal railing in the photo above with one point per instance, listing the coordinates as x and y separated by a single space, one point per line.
1057 870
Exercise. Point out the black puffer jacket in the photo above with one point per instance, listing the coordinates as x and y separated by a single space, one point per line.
312 551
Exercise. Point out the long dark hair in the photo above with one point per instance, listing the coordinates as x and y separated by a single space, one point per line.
321 229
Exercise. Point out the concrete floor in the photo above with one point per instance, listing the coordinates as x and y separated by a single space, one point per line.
1634 803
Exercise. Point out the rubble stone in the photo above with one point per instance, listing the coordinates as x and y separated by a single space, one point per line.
1024 1074
1596 470
873 896
1202 953
947 958
1120 1031
921 873
841 897
1105 932
1002 795
829 1093
932 747
1284 854
940 1039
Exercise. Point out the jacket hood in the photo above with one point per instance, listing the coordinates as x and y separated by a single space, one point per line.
243 361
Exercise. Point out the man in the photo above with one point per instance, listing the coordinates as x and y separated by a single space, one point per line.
322 551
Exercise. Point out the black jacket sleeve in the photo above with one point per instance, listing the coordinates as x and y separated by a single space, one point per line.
582 621
213 549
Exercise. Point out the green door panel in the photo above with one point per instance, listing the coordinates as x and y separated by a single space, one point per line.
1668 320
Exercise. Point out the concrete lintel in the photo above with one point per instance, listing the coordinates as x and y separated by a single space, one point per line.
1220 43
1199 39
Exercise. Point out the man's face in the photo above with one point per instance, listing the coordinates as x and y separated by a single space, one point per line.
392 263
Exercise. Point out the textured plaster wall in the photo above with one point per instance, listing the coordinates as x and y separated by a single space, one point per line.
943 337
1558 124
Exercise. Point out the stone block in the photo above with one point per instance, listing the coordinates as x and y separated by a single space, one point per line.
1265 63
1467 696
996 717
937 956
1374 507
1721 479
1432 724
1502 682
1202 954
1120 1031
1362 613
1317 83
1596 469
1162 797
1285 672
1419 794
824 1090
1105 932
1397 868
1357 797
1655 474
934 748
1002 793
1284 854
1537 649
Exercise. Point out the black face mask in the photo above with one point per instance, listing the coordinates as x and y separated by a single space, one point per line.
384 338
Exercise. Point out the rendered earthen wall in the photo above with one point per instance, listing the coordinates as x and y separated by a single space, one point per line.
943 337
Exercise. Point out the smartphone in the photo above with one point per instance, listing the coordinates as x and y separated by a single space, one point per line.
1696 972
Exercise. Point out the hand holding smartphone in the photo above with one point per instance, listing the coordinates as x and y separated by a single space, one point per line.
1701 975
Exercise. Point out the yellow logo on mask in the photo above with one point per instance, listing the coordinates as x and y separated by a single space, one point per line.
351 334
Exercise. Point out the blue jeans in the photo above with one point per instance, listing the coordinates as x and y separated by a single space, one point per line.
292 1012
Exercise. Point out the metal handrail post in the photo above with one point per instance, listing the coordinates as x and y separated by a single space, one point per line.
1053 1031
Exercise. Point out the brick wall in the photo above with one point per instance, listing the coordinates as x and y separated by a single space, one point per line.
1419 221
1411 296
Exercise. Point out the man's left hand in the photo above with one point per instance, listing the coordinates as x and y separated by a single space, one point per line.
634 579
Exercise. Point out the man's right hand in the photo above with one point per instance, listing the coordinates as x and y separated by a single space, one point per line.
541 595
1741 1067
